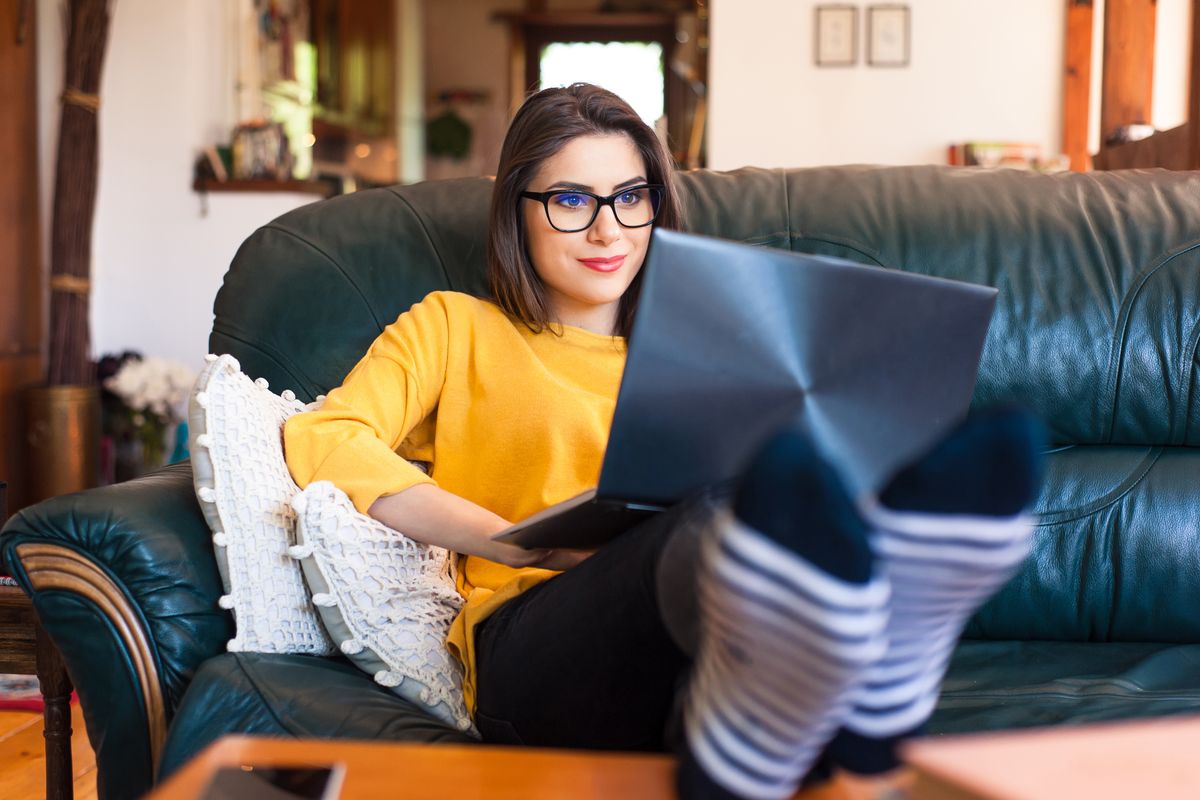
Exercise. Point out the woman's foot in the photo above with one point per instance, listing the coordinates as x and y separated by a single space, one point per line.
949 531
791 616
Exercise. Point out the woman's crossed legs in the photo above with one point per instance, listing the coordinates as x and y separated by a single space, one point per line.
585 659
786 623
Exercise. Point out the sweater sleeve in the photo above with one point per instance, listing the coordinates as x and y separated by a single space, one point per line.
351 440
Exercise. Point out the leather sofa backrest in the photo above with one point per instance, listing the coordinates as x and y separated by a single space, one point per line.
1099 275
1096 329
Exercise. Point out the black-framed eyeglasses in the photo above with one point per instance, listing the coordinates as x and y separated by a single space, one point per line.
573 210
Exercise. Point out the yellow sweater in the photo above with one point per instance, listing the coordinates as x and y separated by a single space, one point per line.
511 420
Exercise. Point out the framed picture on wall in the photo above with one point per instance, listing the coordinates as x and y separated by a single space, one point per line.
835 40
888 35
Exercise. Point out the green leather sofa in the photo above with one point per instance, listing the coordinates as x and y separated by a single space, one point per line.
1096 329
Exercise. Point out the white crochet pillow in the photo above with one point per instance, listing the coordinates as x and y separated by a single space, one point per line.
245 492
386 599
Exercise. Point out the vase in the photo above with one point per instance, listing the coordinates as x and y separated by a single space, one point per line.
63 437
154 452
135 457
128 460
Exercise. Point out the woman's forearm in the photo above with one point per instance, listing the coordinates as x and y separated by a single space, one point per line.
434 516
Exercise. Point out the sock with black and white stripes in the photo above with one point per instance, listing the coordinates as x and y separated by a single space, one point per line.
791 616
950 531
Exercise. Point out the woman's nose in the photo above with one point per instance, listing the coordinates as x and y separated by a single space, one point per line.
605 227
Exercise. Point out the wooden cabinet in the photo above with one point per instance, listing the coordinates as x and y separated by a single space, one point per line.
21 281
355 120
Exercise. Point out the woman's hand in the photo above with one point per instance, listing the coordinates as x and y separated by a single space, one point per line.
562 560
434 516
512 555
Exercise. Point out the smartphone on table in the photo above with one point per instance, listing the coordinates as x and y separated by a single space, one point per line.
266 782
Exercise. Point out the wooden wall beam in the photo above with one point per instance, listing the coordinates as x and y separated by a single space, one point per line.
22 277
1077 83
1127 86
1194 88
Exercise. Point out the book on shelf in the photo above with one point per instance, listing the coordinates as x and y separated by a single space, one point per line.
1021 155
216 164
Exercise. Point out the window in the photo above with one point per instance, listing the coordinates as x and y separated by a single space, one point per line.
633 70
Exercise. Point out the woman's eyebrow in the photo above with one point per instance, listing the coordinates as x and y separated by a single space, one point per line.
585 188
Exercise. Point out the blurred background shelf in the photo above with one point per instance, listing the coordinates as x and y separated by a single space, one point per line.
323 188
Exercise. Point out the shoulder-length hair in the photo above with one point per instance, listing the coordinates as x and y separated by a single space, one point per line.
545 123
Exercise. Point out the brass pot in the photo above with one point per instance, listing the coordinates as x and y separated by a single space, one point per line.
63 436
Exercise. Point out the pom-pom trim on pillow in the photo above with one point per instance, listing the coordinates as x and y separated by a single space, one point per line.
245 493
386 599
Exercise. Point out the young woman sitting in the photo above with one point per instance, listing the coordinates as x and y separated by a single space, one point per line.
761 630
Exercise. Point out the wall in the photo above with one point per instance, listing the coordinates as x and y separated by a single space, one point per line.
984 69
467 48
167 91
1172 62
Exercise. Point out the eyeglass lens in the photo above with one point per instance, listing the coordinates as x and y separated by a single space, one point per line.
573 211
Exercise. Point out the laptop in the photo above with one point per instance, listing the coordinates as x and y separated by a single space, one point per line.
733 342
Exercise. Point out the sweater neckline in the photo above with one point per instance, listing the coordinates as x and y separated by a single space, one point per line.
574 336
570 334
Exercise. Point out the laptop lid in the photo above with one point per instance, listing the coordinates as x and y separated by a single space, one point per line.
732 342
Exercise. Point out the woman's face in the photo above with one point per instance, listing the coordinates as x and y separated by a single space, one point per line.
586 272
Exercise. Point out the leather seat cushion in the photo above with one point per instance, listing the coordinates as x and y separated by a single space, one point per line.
994 685
990 686
273 694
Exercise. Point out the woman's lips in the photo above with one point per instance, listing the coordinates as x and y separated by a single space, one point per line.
603 264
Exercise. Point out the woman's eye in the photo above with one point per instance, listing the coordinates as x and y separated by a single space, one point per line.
629 199
571 200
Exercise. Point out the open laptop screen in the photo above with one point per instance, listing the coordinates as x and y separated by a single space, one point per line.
733 341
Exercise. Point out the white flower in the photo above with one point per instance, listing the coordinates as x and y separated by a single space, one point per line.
155 385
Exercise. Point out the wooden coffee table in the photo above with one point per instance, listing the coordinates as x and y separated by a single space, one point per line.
434 772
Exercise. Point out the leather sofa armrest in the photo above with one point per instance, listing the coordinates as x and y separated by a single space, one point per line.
125 582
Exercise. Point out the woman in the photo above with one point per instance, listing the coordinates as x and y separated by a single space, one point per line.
752 627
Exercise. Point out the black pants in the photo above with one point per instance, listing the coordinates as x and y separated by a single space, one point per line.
595 657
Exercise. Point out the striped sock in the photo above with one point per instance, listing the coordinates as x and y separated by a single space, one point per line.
949 532
790 618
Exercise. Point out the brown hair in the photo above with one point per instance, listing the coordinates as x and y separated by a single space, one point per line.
545 123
